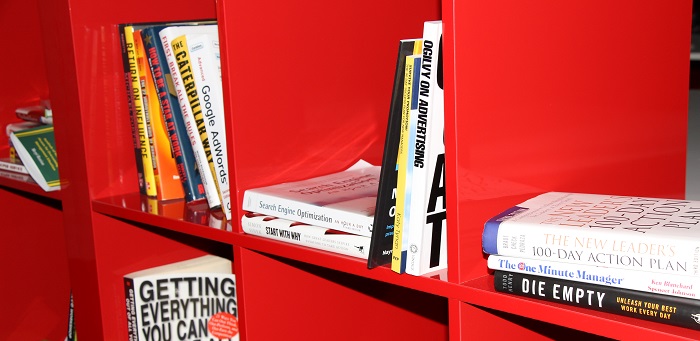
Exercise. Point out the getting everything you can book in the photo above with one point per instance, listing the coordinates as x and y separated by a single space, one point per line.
644 234
343 201
193 299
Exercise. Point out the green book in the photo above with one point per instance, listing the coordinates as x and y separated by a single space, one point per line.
36 148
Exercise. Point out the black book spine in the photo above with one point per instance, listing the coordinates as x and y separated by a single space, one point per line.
383 225
677 311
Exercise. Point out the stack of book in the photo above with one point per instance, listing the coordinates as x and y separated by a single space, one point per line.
333 212
631 256
172 76
410 224
31 152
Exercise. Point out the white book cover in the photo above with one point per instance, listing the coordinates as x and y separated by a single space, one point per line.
11 165
166 36
206 67
343 201
427 249
654 282
625 232
307 235
189 300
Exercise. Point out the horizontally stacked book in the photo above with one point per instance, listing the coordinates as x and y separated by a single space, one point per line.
333 212
172 74
631 256
31 153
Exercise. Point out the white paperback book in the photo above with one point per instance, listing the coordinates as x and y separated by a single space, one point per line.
343 201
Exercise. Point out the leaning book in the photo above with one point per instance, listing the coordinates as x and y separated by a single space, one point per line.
343 201
307 235
36 148
193 299
644 234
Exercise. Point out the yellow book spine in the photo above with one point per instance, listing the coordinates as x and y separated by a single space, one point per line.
134 45
401 164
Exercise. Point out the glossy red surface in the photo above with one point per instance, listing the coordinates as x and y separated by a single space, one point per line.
576 96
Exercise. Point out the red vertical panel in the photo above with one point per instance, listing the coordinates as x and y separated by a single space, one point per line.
586 96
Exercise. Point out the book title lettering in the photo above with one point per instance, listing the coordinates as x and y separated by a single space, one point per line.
189 302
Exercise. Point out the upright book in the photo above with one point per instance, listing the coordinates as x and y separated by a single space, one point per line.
307 235
137 110
180 145
342 201
683 312
165 174
427 230
200 68
193 299
36 147
645 234
403 184
167 35
383 232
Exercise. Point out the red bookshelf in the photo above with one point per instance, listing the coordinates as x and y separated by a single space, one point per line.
571 96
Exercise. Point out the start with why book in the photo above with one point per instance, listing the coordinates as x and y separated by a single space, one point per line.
193 299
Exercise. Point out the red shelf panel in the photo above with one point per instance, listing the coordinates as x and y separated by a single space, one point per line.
194 219
24 183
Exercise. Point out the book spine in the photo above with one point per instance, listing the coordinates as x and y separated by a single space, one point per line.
131 313
383 226
139 114
403 200
206 69
433 254
619 232
167 180
328 217
129 64
13 167
193 133
307 235
670 310
180 146
663 284
427 227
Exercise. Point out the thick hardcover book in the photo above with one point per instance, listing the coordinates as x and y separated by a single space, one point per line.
166 177
652 282
129 65
645 234
427 230
200 151
307 235
138 113
342 201
189 300
683 312
12 165
180 145
403 185
36 148
383 231
206 70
